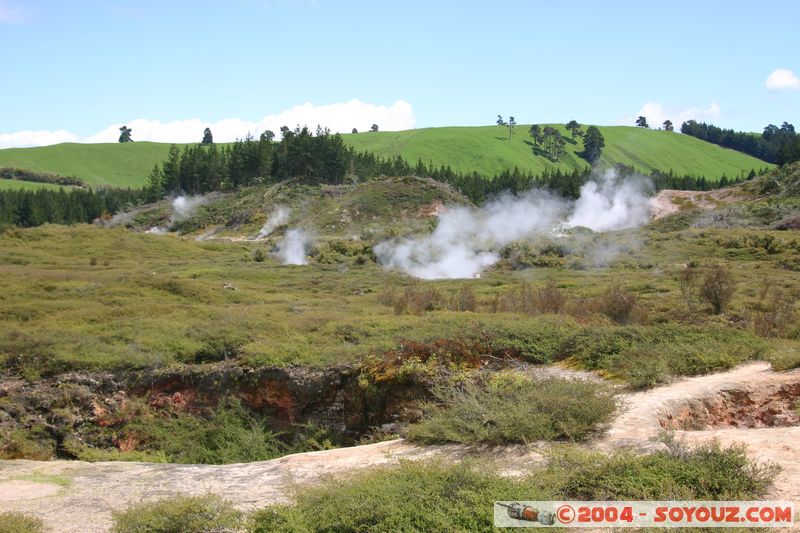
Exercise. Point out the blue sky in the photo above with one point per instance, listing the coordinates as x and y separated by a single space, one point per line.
75 70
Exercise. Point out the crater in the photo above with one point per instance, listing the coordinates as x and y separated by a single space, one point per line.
738 406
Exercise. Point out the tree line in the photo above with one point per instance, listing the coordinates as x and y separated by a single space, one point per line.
779 145
10 173
324 158
314 158
196 169
28 208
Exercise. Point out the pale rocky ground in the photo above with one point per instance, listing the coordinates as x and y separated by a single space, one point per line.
669 201
73 496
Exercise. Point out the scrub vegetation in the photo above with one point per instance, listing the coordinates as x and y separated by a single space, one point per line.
435 496
696 292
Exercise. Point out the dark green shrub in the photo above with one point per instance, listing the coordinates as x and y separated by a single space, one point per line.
536 340
408 497
341 251
646 355
259 256
511 408
708 472
179 514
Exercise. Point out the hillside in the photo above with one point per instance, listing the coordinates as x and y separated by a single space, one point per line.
120 165
26 185
483 149
486 149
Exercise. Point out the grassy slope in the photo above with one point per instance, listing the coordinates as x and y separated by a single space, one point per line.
484 149
27 185
122 165
487 150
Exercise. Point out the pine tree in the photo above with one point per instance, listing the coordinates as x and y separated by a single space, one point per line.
155 184
593 144
125 135
574 128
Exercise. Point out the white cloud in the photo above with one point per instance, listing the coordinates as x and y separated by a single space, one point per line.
11 13
782 79
656 113
35 138
341 118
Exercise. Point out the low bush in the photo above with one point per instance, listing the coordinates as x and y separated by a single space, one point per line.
409 497
513 408
179 514
12 522
646 355
785 355
340 251
708 472
536 340
33 444
520 255
259 255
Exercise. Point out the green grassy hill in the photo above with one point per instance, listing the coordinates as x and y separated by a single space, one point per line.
116 164
486 149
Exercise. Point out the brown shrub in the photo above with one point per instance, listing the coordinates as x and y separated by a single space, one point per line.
463 300
550 299
774 313
717 288
414 299
617 303
530 301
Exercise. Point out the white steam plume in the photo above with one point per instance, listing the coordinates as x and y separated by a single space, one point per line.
183 207
293 247
611 205
467 240
278 218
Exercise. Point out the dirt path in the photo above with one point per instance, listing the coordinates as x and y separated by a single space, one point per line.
645 415
73 496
